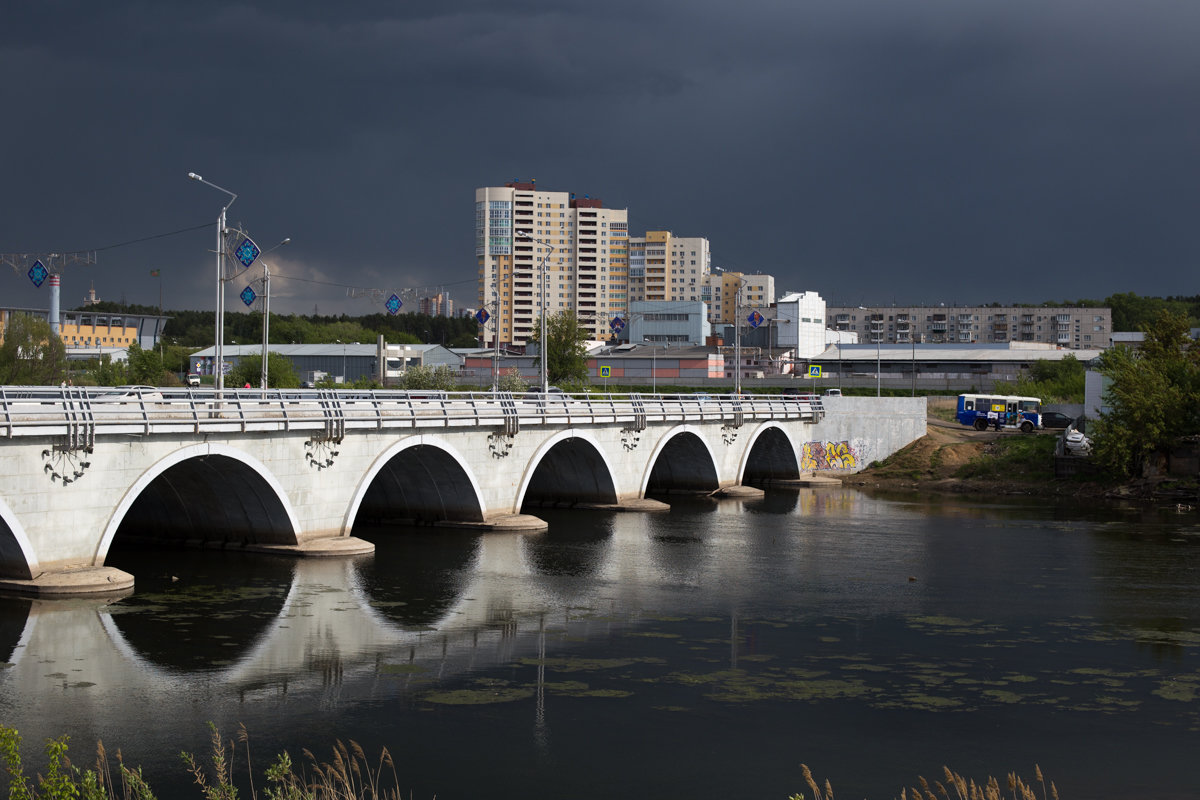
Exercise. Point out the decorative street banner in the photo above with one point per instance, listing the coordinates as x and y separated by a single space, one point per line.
393 304
38 273
755 319
246 252
482 316
248 296
617 324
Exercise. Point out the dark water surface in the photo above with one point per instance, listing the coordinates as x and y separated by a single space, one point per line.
701 653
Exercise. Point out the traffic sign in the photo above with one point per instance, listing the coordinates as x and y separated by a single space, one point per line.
38 273
606 372
814 371
755 319
246 252
482 316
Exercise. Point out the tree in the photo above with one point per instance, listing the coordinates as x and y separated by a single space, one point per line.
1052 381
281 374
1153 397
143 366
565 352
31 354
440 378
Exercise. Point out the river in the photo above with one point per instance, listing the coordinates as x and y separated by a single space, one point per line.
707 652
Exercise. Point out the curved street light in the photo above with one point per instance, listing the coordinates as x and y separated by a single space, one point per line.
219 334
544 348
267 311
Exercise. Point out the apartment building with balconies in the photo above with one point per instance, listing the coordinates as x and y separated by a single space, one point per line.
575 248
1070 327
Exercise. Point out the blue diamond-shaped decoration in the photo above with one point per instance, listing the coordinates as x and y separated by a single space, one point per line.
482 316
393 304
755 319
38 273
248 296
247 251
617 324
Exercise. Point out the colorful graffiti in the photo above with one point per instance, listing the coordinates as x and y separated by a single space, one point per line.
828 455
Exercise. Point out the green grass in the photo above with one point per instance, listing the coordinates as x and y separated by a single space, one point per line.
1014 457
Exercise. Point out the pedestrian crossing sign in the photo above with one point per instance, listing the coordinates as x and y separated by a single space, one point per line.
814 371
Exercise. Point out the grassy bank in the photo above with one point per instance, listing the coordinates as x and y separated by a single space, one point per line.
352 776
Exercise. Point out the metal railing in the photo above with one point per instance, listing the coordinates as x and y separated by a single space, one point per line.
84 413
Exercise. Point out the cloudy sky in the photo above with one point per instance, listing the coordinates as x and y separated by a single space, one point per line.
876 151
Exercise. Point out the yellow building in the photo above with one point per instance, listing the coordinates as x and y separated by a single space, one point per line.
96 330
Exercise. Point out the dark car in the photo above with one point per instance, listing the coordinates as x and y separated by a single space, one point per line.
1055 419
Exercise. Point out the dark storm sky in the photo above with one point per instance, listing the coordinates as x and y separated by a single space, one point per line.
876 151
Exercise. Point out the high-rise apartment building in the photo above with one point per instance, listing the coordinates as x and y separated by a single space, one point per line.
583 246
663 266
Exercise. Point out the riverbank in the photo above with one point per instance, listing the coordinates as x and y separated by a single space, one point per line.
954 459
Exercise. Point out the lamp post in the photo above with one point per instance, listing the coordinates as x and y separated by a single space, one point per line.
543 292
219 335
737 338
877 379
267 313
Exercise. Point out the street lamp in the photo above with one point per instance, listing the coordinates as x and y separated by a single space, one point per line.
219 335
343 344
873 311
544 292
267 312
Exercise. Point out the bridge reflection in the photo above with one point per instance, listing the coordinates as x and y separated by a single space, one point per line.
430 604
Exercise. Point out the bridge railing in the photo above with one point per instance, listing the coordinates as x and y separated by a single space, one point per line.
83 412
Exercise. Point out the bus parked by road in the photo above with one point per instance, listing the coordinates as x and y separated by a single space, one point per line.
983 411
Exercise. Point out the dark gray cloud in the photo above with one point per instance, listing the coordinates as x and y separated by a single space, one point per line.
931 150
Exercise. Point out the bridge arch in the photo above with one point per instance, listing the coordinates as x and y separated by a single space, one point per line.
202 488
769 454
431 483
16 553
681 460
576 467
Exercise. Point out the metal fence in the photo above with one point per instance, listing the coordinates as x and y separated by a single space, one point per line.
82 413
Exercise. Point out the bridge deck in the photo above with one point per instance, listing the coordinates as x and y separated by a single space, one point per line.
87 412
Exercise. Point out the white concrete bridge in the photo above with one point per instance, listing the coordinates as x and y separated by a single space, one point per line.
291 471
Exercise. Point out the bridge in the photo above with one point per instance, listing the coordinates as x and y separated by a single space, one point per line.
290 472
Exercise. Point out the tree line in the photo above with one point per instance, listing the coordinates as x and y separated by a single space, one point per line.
195 328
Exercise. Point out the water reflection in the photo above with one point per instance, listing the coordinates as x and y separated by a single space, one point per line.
712 628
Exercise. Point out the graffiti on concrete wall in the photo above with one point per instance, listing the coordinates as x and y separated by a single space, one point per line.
828 455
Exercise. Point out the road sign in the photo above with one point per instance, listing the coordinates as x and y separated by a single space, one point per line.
246 252
606 372
755 319
814 371
38 273
617 324
248 296
393 304
482 316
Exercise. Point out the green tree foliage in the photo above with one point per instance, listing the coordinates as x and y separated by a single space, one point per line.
510 380
143 366
565 352
1052 381
1153 397
280 372
31 354
440 378
1131 312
